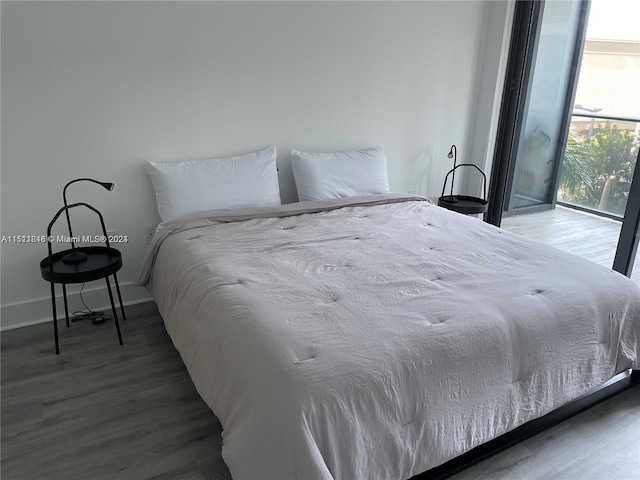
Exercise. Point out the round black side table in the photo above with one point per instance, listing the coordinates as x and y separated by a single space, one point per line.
79 265
463 204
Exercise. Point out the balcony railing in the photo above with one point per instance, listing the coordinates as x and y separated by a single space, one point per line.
598 163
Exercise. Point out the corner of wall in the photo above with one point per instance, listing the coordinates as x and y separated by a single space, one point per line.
491 68
37 311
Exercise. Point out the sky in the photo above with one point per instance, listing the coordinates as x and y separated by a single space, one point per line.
614 20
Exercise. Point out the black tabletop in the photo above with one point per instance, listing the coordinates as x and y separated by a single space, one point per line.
463 204
100 263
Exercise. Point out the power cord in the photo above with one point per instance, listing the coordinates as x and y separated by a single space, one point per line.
96 317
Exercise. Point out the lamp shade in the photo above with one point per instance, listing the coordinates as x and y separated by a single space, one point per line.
78 257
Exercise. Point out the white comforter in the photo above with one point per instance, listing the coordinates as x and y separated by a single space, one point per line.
383 339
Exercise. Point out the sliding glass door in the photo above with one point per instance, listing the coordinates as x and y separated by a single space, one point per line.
565 166
627 260
533 180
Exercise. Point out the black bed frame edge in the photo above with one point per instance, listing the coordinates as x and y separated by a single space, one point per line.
616 385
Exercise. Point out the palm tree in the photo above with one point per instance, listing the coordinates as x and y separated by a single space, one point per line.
576 176
597 172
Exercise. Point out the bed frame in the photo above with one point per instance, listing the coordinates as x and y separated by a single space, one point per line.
616 385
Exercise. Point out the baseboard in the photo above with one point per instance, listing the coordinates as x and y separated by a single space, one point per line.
32 312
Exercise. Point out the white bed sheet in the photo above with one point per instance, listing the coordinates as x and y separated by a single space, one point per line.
379 340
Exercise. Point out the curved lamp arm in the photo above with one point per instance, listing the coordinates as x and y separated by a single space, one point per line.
107 185
452 172
453 153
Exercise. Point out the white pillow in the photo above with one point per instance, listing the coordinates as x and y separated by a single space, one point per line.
182 188
321 176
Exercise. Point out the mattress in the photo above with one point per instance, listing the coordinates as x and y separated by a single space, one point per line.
379 337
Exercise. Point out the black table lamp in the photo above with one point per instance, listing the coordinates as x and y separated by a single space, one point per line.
453 153
81 264
465 204
78 257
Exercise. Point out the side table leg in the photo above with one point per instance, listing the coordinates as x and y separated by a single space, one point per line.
55 318
124 317
66 309
113 309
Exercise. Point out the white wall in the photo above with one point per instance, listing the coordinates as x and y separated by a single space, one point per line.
492 56
96 88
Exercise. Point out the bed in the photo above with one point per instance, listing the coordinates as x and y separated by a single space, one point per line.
379 336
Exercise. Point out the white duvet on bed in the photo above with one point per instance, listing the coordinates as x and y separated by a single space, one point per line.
383 339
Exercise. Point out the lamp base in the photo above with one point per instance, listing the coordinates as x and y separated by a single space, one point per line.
74 257
450 199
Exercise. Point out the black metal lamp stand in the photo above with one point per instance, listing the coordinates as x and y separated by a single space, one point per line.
81 264
76 256
465 204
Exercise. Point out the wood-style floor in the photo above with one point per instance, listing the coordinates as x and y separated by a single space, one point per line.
590 236
104 411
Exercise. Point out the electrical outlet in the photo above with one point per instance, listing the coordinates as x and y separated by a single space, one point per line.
149 232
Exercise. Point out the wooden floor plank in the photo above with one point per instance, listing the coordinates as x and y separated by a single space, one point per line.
590 236
103 411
